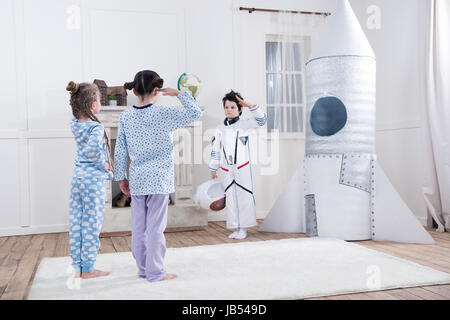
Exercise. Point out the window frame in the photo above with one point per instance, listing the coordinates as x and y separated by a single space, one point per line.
304 43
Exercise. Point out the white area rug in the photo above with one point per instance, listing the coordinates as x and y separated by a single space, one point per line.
277 269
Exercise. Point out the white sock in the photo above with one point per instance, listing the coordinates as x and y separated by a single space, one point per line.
234 234
242 234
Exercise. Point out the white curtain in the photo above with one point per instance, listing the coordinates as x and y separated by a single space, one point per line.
286 54
437 120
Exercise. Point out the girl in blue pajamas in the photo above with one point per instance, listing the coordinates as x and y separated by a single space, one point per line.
145 135
92 169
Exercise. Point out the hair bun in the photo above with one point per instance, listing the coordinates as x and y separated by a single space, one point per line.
73 87
129 85
158 82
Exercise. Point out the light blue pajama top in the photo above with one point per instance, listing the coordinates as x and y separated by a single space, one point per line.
145 135
92 156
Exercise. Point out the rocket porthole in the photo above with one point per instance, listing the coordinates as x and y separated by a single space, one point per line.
328 116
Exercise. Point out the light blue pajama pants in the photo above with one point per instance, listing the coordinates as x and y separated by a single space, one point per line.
87 206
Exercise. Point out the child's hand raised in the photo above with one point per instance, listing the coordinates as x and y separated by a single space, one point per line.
244 103
170 92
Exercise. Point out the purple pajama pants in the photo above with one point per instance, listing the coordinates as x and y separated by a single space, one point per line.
149 220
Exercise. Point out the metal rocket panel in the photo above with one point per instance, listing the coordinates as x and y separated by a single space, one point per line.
356 171
310 217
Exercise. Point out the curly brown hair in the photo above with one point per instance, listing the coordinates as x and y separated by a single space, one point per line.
82 95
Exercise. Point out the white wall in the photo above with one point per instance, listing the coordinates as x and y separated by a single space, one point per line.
400 47
116 39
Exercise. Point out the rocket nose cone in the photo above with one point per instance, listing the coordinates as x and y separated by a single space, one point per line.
342 35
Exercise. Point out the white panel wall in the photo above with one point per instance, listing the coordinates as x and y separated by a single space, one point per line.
10 116
400 155
10 192
111 32
53 58
42 51
47 56
399 46
50 176
121 40
13 150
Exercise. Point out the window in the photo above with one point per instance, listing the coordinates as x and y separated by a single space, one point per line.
285 85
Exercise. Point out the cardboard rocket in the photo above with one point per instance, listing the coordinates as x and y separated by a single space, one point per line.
340 191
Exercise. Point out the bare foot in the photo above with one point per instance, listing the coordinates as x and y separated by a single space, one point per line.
169 276
94 274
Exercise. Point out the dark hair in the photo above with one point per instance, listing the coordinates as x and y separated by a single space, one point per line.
145 82
81 97
231 96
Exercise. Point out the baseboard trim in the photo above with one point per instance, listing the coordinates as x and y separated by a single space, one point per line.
168 230
222 215
22 231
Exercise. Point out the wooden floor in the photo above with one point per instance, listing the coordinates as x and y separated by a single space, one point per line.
20 257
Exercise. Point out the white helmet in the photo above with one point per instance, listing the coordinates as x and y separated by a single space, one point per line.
210 195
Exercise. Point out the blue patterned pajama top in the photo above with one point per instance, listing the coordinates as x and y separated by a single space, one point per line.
145 135
91 157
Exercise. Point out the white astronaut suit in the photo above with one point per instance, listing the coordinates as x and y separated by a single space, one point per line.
231 155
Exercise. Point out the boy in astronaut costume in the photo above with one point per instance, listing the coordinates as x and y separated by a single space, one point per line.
231 154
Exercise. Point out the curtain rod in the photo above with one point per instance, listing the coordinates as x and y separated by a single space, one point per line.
250 10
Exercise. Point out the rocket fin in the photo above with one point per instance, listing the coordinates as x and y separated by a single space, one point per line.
288 212
393 220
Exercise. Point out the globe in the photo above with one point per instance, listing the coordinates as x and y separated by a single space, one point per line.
190 83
